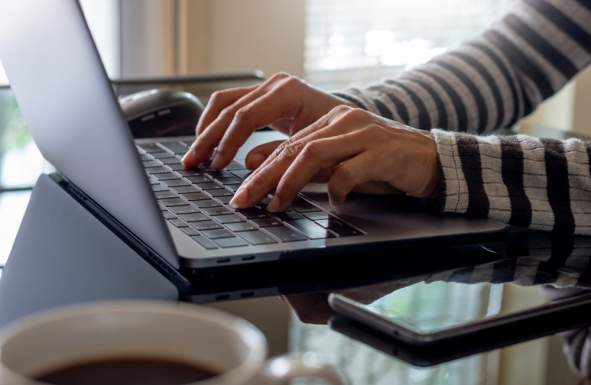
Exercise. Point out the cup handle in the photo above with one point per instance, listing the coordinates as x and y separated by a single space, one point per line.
282 369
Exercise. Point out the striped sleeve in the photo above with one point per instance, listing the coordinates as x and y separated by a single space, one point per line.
490 83
542 184
494 80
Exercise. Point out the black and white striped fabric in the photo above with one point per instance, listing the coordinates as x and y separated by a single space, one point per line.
490 83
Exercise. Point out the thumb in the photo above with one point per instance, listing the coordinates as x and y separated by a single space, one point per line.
257 155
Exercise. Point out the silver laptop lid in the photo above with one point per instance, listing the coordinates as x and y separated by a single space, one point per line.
65 97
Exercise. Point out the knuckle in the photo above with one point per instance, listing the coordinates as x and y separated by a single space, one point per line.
242 115
279 76
291 151
355 113
311 150
293 81
228 113
216 97
341 109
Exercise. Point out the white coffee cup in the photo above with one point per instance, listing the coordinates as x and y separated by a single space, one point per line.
207 337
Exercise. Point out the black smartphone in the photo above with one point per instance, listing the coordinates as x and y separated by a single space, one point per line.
478 313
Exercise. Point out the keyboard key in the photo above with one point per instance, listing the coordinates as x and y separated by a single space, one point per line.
302 206
289 215
217 233
231 242
165 195
232 187
241 226
286 234
254 212
189 231
230 180
339 227
177 183
172 202
242 174
219 192
194 196
185 189
178 148
169 161
257 237
176 167
166 176
178 223
145 157
311 229
168 215
220 210
162 155
225 199
194 217
209 185
186 209
205 225
204 203
229 218
157 170
220 175
151 163
266 222
206 243
150 147
189 172
198 179
317 215
159 187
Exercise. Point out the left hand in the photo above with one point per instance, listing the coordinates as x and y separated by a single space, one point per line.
349 147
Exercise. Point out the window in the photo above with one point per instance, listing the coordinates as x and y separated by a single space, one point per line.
357 42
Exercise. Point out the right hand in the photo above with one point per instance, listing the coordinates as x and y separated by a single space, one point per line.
283 102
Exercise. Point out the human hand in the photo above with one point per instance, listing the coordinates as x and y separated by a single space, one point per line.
282 102
350 147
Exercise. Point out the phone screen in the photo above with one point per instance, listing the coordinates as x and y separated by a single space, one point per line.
431 307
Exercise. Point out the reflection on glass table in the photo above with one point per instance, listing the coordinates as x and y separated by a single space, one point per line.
436 299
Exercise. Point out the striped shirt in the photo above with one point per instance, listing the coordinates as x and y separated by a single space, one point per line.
489 83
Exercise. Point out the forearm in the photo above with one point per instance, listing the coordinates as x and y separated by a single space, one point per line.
541 184
494 80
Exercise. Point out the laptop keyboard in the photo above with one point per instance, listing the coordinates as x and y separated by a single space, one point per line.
196 202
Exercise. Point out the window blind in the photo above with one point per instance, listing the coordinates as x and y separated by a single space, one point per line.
357 42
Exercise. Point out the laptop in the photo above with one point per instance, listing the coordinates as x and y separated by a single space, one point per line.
178 217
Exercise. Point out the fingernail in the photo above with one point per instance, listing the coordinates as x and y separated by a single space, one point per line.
275 205
240 199
187 157
255 160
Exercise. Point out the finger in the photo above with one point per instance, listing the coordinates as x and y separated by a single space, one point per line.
349 174
263 111
208 139
257 155
316 155
267 175
210 136
328 124
218 101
